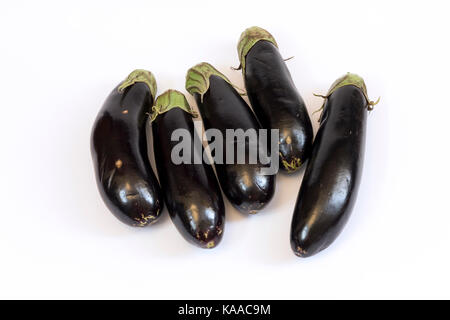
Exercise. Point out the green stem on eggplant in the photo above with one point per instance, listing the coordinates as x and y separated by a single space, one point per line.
197 79
248 39
169 100
139 75
349 79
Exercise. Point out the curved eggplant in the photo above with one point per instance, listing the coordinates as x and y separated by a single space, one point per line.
274 97
222 108
191 191
330 185
124 176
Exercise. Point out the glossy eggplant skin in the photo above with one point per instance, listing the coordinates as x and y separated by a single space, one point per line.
330 185
277 103
191 191
124 176
244 185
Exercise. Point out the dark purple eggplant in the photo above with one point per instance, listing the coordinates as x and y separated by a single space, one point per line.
330 185
274 97
124 176
191 191
222 108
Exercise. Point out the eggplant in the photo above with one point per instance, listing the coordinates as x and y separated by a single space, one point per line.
123 173
191 191
332 177
274 97
222 108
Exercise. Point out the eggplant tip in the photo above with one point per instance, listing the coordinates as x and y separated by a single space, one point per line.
299 252
211 244
144 221
206 239
291 166
302 249
307 247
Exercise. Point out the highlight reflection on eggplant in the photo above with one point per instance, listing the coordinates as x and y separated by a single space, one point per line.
191 191
124 176
332 177
274 97
223 108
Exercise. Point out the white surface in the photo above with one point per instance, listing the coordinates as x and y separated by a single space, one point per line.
58 63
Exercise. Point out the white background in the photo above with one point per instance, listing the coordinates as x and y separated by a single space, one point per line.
59 61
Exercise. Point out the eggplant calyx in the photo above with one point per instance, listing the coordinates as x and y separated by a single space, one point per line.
169 100
349 79
197 78
248 39
139 75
